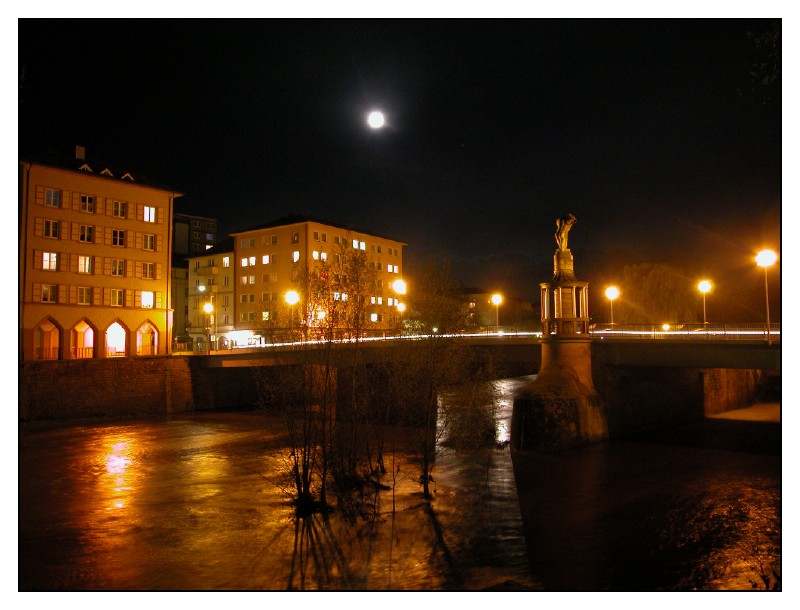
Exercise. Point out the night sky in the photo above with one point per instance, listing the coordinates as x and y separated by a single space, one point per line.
655 133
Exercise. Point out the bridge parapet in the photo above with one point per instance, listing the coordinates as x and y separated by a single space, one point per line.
686 332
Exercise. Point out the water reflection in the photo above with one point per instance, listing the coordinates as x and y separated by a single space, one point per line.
201 503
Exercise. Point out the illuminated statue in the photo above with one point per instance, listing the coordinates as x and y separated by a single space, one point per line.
563 225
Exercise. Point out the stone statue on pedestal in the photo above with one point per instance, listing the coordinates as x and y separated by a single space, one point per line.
563 225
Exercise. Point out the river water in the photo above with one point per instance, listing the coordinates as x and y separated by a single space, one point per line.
197 502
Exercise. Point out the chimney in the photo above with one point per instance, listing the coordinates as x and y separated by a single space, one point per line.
80 152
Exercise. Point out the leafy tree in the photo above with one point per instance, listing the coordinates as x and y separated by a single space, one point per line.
653 293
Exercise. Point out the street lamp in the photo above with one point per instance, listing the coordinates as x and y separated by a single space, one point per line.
291 298
766 258
612 292
209 309
497 299
704 286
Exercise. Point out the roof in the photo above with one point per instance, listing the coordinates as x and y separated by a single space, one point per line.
98 168
293 219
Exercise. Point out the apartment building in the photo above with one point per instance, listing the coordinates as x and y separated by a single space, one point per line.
94 260
211 297
193 235
277 258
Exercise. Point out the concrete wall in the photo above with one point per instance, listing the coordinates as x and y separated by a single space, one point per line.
124 387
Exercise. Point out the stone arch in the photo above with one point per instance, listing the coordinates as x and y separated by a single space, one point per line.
47 340
147 339
84 339
116 340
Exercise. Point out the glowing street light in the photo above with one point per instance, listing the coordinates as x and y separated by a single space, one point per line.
497 299
765 259
704 286
291 298
209 309
399 286
612 292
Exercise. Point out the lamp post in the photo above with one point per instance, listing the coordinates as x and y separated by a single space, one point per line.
612 292
765 259
497 299
291 298
704 286
209 309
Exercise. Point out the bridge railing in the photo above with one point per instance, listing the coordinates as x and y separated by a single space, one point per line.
687 332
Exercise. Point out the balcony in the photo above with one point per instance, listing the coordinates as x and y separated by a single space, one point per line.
207 271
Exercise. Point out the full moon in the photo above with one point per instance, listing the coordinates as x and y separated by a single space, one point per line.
376 119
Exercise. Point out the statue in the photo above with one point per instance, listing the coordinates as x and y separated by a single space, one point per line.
563 225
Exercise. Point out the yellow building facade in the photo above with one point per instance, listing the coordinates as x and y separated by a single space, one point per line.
273 259
94 261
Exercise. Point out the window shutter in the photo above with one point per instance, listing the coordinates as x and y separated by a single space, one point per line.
75 235
38 227
107 265
37 293
158 271
160 219
139 240
63 231
139 211
137 298
128 298
73 263
76 201
96 262
37 259
63 293
96 296
159 243
130 240
138 271
158 304
39 198
73 294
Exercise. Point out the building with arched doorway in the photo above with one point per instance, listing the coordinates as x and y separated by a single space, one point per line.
94 260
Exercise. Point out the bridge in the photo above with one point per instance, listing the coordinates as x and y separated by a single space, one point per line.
739 346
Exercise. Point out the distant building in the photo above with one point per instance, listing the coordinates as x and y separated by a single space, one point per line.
191 235
269 260
94 260
211 282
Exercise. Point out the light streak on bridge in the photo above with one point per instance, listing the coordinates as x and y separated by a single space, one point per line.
599 332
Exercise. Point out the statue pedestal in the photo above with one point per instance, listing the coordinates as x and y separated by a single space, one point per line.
560 408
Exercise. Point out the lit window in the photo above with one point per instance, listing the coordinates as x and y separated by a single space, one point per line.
84 295
373 317
324 256
362 245
87 203
84 264
251 279
51 228
149 271
49 293
86 234
355 244
149 214
117 237
244 262
265 315
50 261
252 261
372 300
265 259
149 242
118 267
315 255
390 301
148 299
226 261
380 300
117 297
296 256
52 198
120 209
